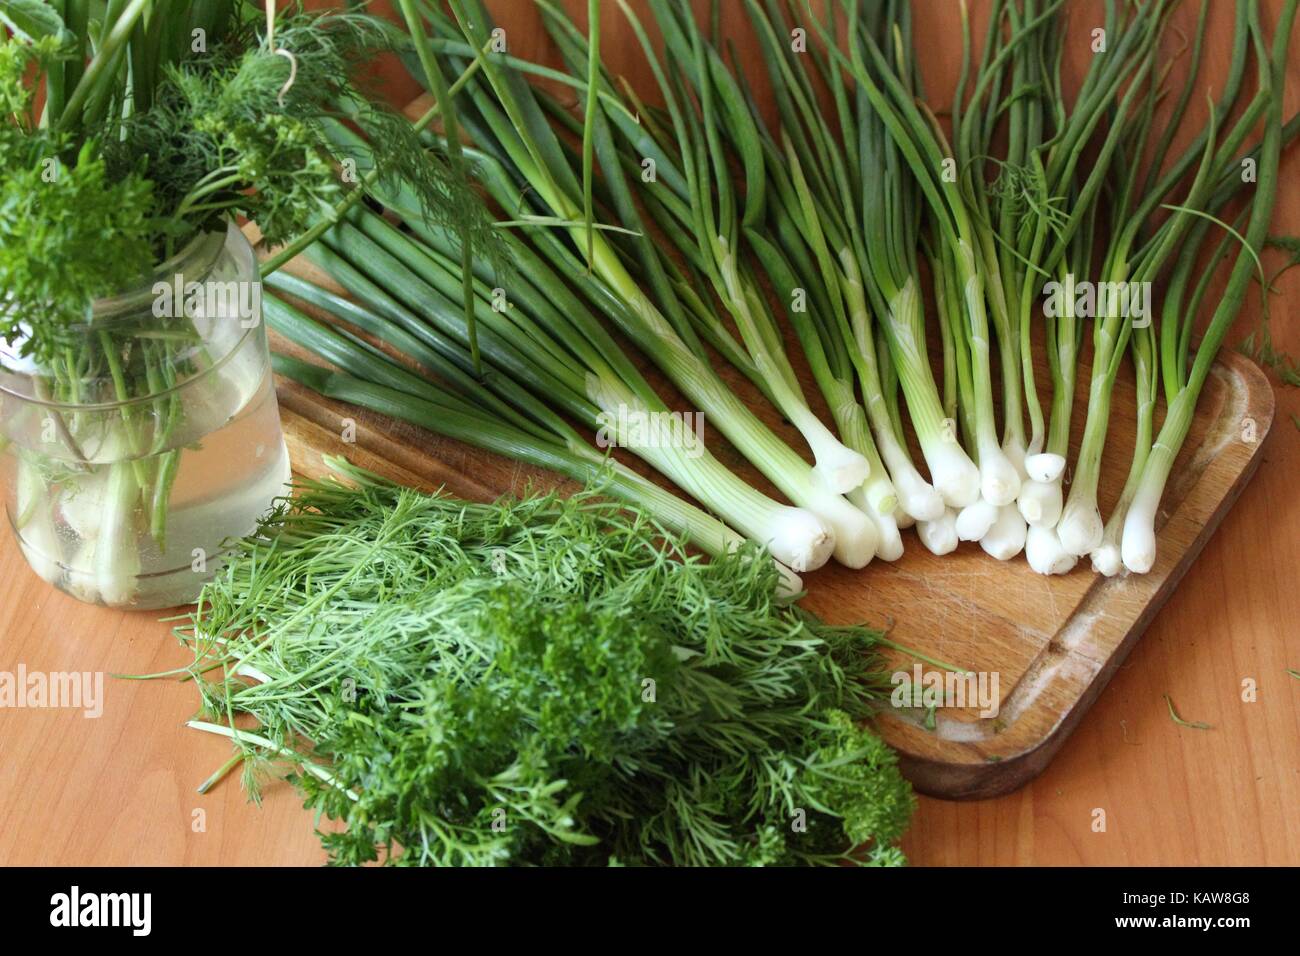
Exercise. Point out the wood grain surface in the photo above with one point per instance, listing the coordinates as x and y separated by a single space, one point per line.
120 788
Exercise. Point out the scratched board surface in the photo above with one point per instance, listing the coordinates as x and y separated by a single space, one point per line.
1052 643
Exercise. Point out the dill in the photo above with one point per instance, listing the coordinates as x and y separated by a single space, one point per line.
541 681
1193 724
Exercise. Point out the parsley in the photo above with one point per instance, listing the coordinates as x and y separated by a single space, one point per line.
66 241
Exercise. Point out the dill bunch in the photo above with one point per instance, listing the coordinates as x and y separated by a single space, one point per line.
542 681
244 129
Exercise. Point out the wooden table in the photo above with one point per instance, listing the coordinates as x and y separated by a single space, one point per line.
120 789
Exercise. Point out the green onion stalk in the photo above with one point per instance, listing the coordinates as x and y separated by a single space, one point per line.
1143 343
678 200
799 534
1027 213
1183 384
835 366
940 535
973 125
1135 261
927 155
1169 348
1055 241
1046 222
761 353
1107 558
1041 498
456 404
425 405
888 241
716 220
1080 528
817 263
512 125
1146 370
816 219
545 337
891 233
1027 230
717 254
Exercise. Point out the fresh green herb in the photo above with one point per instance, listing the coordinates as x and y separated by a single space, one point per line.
162 140
65 242
1259 346
911 652
161 124
1193 724
541 681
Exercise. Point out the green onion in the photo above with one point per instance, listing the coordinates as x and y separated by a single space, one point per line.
1139 543
569 354
924 151
888 241
713 222
510 115
472 415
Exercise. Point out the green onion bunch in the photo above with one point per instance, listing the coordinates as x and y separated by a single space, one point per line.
911 262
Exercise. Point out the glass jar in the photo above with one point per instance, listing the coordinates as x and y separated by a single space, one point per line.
132 462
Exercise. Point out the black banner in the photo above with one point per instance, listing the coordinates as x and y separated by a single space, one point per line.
341 906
